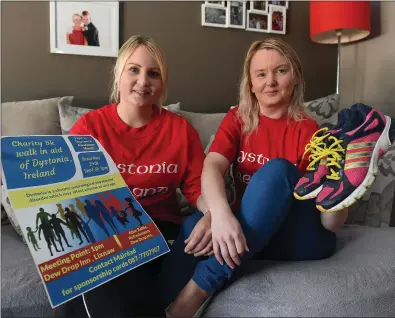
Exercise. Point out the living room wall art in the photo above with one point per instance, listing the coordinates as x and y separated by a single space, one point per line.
84 28
257 16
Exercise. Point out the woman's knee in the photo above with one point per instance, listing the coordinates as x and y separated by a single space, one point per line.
275 169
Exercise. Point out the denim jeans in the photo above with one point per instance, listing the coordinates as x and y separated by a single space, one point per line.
275 224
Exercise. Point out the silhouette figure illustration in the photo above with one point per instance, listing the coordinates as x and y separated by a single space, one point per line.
111 201
135 213
88 231
74 220
72 208
120 215
56 224
62 215
32 238
48 235
105 214
44 217
60 211
94 215
81 207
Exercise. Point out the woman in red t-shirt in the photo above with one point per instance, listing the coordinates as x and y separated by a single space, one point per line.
156 152
76 37
265 138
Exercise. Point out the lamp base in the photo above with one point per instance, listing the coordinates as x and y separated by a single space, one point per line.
339 41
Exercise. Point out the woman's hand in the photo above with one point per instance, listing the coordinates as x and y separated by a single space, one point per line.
229 242
199 241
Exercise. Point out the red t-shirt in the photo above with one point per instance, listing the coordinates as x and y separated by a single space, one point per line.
76 37
154 160
274 138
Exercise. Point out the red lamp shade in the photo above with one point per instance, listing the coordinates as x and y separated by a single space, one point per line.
350 18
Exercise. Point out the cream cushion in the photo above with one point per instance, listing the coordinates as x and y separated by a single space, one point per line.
36 117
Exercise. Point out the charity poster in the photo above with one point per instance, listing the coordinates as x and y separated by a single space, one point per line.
81 222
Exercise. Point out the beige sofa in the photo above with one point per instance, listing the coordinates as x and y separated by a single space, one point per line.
359 280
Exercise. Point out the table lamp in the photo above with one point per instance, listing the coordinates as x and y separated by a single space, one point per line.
336 22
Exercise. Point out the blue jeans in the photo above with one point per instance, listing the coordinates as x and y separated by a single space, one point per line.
276 226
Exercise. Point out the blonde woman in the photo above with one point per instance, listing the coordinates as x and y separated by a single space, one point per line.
265 138
76 37
138 133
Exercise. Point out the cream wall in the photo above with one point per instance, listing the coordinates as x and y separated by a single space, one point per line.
368 68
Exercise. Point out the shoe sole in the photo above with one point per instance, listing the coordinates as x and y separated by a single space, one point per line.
382 143
311 195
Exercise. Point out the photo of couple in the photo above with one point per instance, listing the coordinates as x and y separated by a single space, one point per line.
83 32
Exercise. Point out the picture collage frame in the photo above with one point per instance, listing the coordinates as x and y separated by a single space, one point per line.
255 16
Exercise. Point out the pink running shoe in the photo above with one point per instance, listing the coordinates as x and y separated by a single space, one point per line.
311 183
353 157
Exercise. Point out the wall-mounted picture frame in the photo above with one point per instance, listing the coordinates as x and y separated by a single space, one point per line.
214 16
216 3
84 28
236 14
257 21
259 6
278 19
279 3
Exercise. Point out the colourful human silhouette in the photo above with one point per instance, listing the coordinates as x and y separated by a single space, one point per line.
75 221
94 215
48 235
80 207
62 215
135 213
60 211
56 224
72 208
32 238
105 214
44 217
120 215
88 231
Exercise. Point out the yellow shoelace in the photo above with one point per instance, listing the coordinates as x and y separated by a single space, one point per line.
319 150
334 157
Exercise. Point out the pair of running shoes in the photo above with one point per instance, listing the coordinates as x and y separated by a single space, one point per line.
343 160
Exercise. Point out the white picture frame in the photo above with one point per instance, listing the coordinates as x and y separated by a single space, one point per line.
214 16
273 25
279 3
220 4
254 18
65 34
259 6
234 16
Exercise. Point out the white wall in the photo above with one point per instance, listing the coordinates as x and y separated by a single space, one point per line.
368 68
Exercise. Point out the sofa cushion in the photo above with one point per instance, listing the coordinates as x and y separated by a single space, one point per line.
357 281
36 117
70 114
324 110
205 124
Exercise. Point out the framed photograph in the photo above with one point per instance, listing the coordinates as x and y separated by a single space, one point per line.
259 6
236 14
216 3
214 16
84 28
279 3
258 22
278 19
